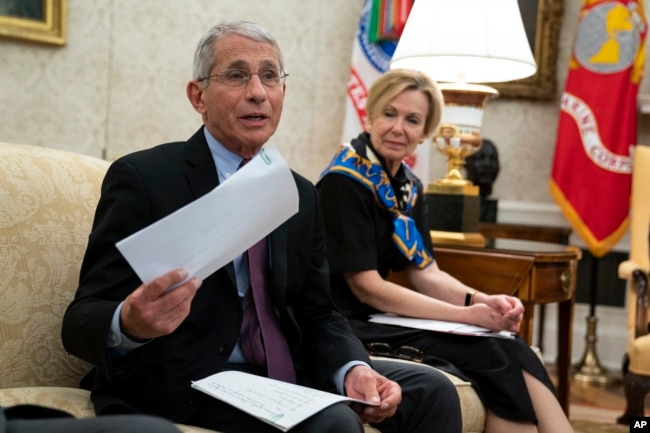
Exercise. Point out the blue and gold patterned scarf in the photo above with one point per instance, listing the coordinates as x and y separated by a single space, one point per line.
372 175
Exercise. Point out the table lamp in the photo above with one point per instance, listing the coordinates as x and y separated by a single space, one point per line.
461 43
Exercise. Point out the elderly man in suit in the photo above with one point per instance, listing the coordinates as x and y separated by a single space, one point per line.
148 342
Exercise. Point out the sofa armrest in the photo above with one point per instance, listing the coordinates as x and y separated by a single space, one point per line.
71 400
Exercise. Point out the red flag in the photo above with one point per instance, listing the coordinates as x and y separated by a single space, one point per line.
597 129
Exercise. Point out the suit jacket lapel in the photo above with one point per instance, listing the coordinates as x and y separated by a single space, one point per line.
202 175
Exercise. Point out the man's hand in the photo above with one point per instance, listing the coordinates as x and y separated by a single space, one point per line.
152 310
366 384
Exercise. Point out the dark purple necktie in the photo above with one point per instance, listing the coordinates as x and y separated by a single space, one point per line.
262 340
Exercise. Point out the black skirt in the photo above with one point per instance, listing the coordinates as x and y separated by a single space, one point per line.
494 366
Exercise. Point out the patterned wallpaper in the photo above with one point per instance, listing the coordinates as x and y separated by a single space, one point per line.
118 85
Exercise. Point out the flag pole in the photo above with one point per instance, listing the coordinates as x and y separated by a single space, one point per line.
589 370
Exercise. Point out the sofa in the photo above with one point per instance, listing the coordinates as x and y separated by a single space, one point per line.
47 202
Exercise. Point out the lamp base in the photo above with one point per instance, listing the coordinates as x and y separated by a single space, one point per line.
459 133
454 213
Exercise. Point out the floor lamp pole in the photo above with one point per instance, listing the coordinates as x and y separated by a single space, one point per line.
589 370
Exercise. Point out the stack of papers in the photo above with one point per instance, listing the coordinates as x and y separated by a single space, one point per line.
438 326
280 404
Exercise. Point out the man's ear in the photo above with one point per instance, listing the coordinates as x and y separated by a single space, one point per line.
195 95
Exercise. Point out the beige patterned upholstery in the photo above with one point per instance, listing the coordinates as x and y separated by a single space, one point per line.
636 361
47 201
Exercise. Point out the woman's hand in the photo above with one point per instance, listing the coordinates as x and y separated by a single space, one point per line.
498 312
510 306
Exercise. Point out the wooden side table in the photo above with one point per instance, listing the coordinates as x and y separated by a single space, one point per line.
553 234
556 235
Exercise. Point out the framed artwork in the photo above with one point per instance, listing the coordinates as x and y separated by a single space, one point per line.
44 21
542 21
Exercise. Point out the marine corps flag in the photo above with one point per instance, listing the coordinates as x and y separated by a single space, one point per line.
597 129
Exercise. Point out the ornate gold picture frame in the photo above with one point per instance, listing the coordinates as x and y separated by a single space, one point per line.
542 25
44 21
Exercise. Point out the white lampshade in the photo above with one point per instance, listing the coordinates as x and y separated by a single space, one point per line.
472 41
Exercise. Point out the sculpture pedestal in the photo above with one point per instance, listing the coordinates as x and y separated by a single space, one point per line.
488 209
454 214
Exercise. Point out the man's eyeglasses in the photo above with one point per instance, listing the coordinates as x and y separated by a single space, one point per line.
403 352
241 77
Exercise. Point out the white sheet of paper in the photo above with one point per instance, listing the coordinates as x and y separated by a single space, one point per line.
281 404
209 232
437 325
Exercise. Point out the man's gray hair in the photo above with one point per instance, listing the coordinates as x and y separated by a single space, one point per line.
204 58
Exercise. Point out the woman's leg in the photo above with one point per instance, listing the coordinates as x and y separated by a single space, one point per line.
496 424
550 416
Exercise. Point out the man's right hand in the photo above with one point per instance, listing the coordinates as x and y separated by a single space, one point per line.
152 310
366 384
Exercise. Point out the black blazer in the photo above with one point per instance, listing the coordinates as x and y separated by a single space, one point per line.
142 188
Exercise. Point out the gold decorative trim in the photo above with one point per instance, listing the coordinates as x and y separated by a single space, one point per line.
457 238
51 29
543 84
462 187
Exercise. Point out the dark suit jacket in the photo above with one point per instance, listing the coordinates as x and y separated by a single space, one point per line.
27 412
144 187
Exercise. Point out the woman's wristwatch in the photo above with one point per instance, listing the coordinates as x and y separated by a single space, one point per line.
469 297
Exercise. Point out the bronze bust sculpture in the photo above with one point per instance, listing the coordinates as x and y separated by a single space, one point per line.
483 167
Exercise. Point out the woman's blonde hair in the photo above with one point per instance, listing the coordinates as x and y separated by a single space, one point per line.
385 88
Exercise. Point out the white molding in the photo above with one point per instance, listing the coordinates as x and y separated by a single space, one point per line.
518 212
545 214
